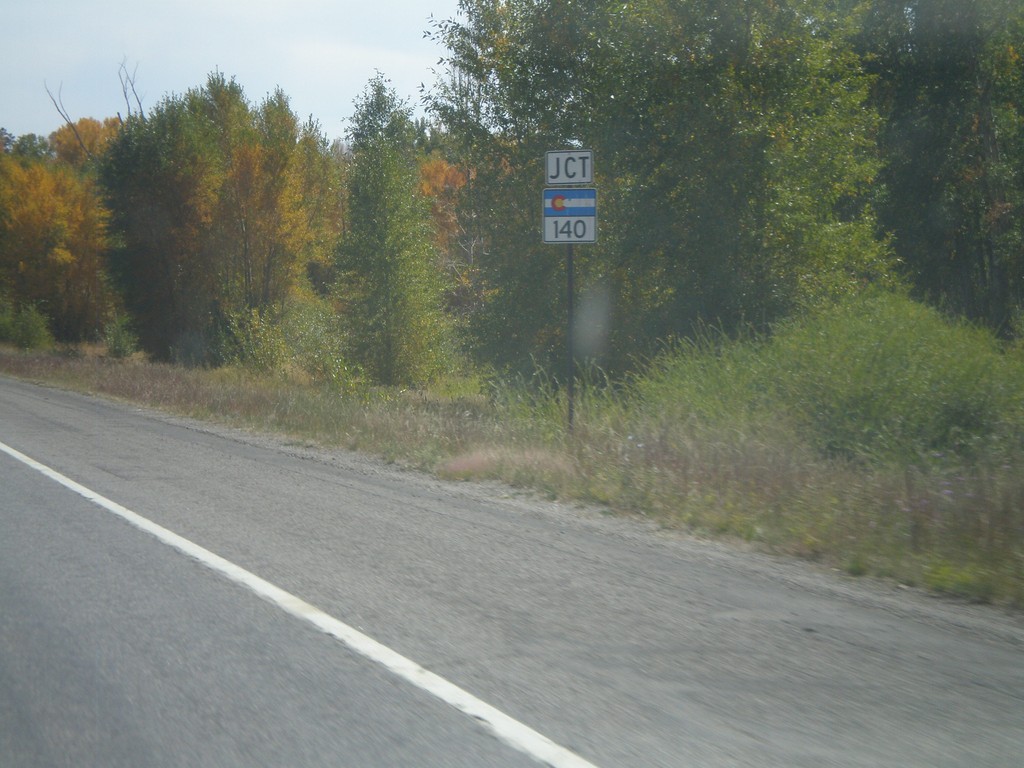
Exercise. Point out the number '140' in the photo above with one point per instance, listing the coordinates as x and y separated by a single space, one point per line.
570 230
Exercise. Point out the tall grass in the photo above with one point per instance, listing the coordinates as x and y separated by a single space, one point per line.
876 437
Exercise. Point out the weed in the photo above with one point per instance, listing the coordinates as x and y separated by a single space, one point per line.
121 341
978 583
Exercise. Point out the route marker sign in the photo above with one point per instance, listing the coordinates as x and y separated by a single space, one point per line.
570 215
569 166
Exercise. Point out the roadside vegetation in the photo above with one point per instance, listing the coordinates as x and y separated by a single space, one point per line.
876 437
800 324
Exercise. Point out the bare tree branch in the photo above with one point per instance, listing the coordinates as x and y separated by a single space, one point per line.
58 102
128 88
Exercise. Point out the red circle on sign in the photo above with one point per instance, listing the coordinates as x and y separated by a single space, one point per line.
558 202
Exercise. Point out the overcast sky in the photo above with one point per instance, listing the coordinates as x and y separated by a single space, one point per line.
321 53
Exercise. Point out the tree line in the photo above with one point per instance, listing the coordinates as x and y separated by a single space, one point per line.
754 158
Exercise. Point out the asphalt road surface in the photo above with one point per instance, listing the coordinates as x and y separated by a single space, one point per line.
176 594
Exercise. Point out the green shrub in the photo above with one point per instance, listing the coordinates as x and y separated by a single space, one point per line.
316 345
255 341
877 377
26 328
883 377
6 323
121 341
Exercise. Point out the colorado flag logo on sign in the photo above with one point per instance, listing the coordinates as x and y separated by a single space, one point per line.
570 202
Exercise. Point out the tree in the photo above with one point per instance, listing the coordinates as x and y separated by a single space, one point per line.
80 142
30 146
160 177
53 243
950 85
209 197
734 149
505 98
442 183
317 178
259 229
389 286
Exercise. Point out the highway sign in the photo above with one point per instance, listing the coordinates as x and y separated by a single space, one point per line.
570 215
572 166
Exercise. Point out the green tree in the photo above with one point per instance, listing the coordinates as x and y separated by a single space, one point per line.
950 85
31 146
734 150
160 174
389 286
509 93
742 133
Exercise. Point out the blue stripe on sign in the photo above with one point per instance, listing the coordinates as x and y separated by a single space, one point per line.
570 202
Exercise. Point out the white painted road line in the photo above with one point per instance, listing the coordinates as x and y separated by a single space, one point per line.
508 729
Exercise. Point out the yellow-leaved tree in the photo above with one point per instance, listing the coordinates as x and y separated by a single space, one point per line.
84 140
53 239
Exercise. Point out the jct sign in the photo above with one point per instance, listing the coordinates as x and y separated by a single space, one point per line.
574 166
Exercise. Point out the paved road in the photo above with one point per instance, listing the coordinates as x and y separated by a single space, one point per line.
622 645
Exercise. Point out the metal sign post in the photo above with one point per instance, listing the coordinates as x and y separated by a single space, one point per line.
570 216
570 279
